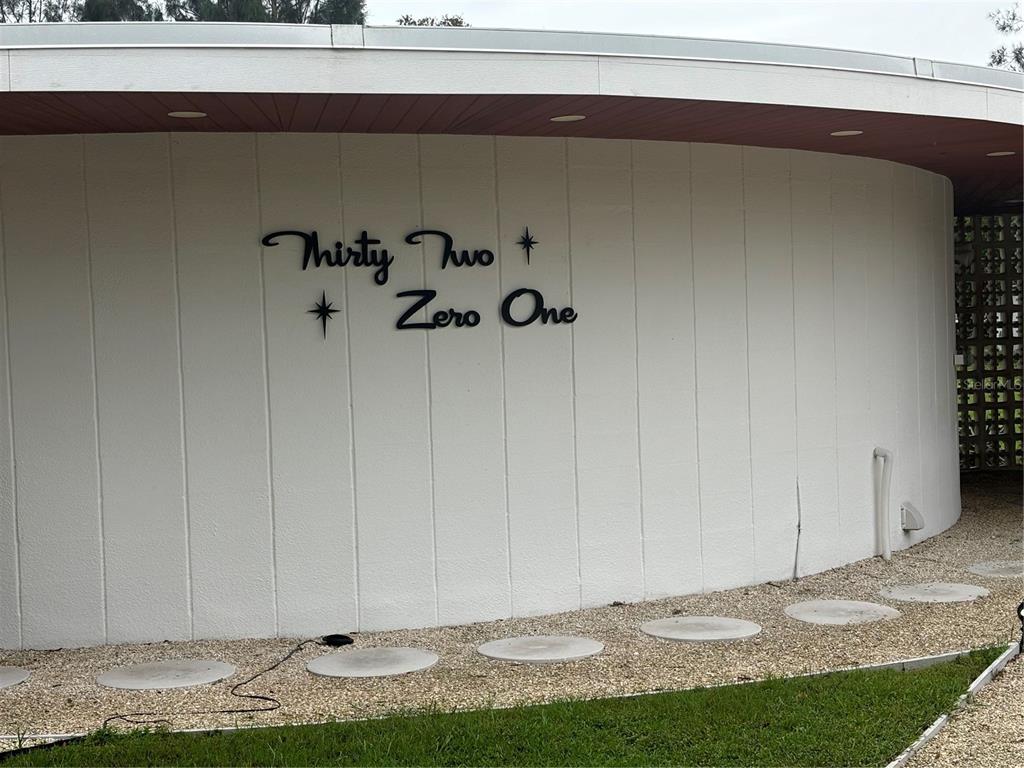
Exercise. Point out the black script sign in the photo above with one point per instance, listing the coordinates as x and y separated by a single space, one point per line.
478 258
363 256
530 313
440 319
537 311
521 307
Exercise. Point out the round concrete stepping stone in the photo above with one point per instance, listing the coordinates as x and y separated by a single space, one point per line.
934 592
11 676
840 612
177 673
999 569
372 662
700 629
541 649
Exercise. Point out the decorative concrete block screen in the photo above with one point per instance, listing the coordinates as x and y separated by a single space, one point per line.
989 275
189 451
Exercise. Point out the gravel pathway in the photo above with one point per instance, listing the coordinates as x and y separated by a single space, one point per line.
62 697
987 733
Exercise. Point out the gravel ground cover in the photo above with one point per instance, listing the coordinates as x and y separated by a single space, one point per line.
62 696
988 733
847 718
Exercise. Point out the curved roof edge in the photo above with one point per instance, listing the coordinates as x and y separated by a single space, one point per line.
203 34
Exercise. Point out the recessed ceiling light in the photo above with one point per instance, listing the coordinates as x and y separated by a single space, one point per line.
568 118
1002 153
186 114
846 133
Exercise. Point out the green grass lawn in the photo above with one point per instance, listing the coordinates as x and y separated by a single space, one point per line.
849 718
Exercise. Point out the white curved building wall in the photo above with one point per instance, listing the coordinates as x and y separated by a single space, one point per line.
183 455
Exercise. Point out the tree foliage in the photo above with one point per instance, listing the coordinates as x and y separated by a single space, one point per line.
453 20
30 11
119 10
283 11
280 11
1009 21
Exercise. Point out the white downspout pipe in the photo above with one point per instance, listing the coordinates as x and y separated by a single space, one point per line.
882 500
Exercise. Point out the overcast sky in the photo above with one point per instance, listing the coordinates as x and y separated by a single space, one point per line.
944 30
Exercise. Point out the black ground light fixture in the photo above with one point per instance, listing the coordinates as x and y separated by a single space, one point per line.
336 641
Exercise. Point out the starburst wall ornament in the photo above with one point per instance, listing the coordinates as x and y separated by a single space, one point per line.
527 242
323 310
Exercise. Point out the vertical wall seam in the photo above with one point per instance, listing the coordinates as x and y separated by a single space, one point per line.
696 396
915 197
949 266
95 393
430 392
796 376
266 389
181 391
926 397
636 362
942 360
867 249
746 327
572 370
903 480
504 375
351 398
835 357
936 261
895 434
10 415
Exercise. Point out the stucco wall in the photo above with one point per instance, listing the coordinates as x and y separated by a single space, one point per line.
183 454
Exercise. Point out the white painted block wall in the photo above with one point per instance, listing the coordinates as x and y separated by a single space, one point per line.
182 454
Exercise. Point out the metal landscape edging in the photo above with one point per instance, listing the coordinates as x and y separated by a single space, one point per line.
986 677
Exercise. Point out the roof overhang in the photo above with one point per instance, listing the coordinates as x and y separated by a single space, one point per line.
110 78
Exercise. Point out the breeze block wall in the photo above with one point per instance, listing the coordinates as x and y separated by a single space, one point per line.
184 454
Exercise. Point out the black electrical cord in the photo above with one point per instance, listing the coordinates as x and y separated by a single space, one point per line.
331 641
270 703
